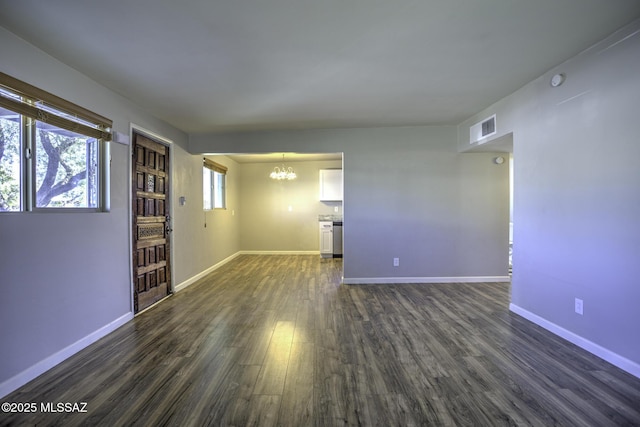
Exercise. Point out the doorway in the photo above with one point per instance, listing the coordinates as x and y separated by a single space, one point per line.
510 213
282 216
150 222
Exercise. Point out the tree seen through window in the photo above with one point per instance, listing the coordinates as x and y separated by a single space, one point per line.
66 166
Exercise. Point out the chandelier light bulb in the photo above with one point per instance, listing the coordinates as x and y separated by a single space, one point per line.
280 173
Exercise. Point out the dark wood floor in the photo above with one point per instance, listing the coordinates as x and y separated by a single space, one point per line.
276 340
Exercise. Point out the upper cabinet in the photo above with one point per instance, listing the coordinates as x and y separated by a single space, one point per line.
331 185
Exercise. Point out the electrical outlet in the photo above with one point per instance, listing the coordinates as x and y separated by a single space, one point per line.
396 262
579 306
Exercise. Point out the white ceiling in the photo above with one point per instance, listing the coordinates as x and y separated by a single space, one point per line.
221 65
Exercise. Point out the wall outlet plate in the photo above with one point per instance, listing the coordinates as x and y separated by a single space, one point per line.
396 262
579 306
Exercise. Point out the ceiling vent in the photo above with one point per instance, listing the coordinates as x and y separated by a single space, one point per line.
482 130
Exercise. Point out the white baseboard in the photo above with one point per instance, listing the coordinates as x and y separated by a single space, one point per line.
399 280
44 365
202 274
279 252
593 348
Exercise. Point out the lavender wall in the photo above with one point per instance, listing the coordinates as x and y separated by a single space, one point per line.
64 277
408 194
577 197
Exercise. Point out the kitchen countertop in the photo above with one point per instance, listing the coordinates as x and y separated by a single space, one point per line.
329 217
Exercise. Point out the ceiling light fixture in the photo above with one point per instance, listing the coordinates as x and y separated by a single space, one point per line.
283 172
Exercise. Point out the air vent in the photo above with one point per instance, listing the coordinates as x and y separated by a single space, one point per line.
489 127
482 130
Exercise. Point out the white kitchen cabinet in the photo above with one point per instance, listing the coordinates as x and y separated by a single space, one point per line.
331 185
326 239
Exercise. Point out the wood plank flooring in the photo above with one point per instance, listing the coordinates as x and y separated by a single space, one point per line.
276 340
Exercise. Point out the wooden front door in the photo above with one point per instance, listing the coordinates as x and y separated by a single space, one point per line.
151 228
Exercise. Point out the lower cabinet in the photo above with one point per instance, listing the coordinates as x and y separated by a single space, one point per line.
326 239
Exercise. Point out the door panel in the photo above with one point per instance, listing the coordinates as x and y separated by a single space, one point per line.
151 230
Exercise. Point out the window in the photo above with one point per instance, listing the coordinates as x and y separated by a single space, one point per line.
219 194
10 137
214 185
52 152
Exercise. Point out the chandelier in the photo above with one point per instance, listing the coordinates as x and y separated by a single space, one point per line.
283 172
